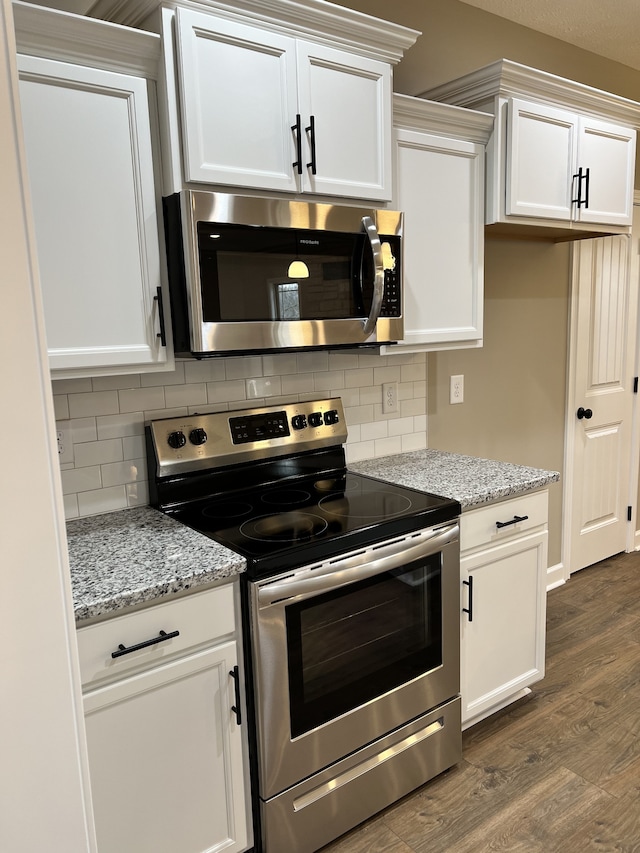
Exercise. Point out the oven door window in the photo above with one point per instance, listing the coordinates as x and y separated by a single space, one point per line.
353 644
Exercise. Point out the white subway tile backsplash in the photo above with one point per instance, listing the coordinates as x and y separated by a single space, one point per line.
185 395
141 399
279 365
175 377
71 386
93 403
120 473
209 370
61 407
133 447
243 368
81 480
388 446
226 392
265 386
108 414
118 426
414 441
116 383
102 500
97 452
370 432
83 429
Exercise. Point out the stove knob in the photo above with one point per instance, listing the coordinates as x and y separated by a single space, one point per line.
197 436
176 440
315 419
331 417
298 422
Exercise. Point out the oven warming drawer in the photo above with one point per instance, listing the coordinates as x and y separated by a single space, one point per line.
316 811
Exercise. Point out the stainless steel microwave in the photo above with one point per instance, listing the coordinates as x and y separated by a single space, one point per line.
256 275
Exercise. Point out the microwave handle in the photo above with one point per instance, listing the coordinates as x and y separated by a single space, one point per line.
369 324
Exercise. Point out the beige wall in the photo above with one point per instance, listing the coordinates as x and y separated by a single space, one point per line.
515 385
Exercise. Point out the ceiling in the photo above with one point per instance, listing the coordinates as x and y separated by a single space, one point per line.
610 28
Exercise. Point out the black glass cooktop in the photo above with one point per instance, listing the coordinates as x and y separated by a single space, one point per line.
311 518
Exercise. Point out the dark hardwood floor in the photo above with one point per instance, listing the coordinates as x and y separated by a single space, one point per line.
558 770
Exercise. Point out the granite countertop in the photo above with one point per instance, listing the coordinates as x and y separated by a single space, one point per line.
134 556
468 479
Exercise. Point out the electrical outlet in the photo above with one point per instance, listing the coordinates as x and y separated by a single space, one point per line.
456 389
65 443
389 398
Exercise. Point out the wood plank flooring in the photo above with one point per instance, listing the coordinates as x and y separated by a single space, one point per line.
558 770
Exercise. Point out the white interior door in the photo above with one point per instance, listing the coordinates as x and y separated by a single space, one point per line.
600 401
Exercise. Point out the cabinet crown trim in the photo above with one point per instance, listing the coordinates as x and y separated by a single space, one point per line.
316 20
453 122
53 34
505 78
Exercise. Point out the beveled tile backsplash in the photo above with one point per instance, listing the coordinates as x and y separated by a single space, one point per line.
107 414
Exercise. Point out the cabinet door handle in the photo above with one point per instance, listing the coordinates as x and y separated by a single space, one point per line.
297 130
580 177
235 674
586 188
514 520
312 130
162 636
469 609
162 333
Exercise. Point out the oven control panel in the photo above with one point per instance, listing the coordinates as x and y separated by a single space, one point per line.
194 442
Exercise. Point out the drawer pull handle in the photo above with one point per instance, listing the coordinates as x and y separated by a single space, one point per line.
514 520
162 636
469 609
235 674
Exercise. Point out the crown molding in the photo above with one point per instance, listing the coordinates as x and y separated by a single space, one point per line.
73 38
440 119
504 78
317 20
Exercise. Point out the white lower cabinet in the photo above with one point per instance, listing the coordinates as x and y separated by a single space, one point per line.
503 592
165 748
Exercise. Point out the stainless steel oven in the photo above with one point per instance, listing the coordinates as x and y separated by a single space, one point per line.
349 655
350 611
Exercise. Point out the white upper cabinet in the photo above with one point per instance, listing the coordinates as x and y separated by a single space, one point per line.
255 103
562 155
439 186
88 141
564 166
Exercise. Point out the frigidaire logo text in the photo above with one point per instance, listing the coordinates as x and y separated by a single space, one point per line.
310 242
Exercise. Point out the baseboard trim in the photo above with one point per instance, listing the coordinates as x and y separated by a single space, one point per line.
555 576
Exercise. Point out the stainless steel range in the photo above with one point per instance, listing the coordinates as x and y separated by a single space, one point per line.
351 611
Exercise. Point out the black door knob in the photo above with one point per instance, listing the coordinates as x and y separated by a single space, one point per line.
584 413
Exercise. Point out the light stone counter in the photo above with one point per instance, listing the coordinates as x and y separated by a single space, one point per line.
468 479
135 556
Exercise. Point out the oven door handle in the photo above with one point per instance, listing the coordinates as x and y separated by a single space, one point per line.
333 578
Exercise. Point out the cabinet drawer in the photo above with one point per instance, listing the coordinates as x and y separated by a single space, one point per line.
200 618
479 527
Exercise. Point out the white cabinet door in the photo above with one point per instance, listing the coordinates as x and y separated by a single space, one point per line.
541 157
503 638
440 189
345 105
266 111
165 759
89 157
238 100
609 152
